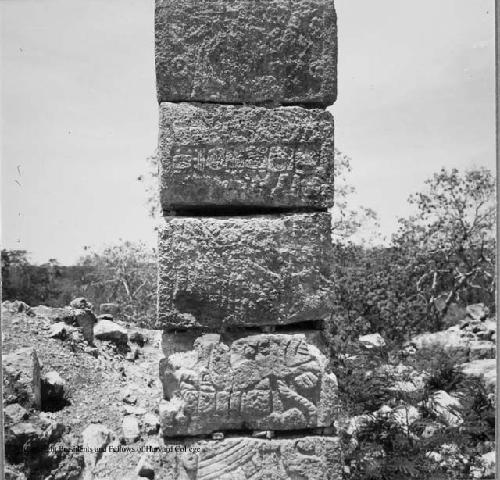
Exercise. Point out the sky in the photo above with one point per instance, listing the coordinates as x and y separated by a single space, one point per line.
79 113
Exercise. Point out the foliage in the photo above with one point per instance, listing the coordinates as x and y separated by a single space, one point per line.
385 450
442 254
350 223
450 240
125 274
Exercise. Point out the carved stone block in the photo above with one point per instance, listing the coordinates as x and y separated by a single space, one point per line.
246 51
260 382
243 458
221 272
243 156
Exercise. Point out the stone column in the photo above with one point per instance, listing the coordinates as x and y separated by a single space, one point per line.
246 152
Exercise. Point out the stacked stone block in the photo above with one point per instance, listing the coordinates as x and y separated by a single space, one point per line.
246 156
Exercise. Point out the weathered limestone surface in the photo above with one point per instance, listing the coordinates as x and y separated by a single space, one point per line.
184 341
246 51
239 271
306 458
22 378
262 382
219 155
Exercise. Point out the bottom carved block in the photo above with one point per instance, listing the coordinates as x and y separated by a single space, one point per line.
259 382
244 458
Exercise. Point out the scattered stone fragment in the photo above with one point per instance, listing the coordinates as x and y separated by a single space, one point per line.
448 339
94 351
15 413
12 473
220 156
137 337
252 52
478 311
111 308
82 318
145 467
405 416
372 340
22 377
151 423
130 356
241 271
81 303
111 331
22 439
95 439
129 396
264 382
86 320
133 410
59 330
446 407
485 369
53 387
217 436
488 461
482 349
130 428
17 306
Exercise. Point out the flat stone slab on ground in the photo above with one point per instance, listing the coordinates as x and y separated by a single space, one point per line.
244 156
246 51
243 458
260 382
220 272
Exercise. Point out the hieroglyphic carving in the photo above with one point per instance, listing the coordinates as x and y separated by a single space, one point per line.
267 381
239 155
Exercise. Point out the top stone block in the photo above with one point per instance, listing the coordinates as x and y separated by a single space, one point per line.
246 51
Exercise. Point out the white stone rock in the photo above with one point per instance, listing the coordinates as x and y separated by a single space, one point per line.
15 413
477 311
481 349
130 428
95 439
108 330
404 416
485 368
488 460
434 456
151 423
446 408
372 340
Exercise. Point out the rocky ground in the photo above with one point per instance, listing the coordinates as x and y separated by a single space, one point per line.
104 384
77 381
438 395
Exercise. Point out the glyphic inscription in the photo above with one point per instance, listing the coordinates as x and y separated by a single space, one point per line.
238 155
283 157
267 381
